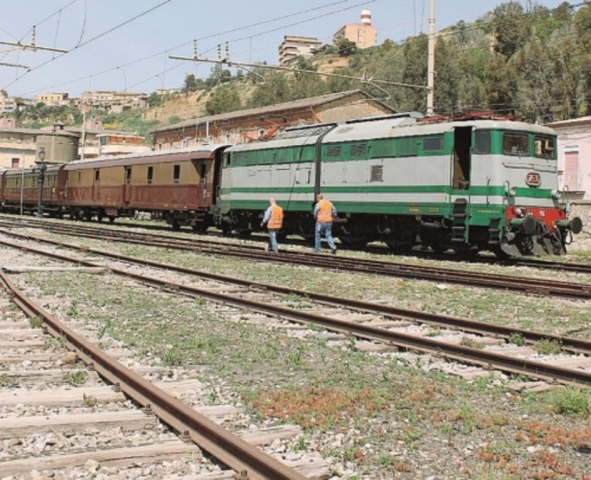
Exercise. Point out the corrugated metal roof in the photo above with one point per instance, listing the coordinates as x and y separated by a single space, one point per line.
29 131
570 122
293 105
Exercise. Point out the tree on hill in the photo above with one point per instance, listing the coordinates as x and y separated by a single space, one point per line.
346 47
193 84
223 100
275 89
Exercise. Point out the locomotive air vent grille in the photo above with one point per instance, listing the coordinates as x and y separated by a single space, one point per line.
377 173
358 150
334 151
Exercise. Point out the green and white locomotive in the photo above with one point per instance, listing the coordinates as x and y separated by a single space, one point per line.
468 184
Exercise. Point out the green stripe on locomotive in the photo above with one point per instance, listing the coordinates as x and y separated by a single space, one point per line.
425 158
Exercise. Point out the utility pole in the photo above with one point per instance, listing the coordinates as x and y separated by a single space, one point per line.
33 46
431 61
226 61
28 46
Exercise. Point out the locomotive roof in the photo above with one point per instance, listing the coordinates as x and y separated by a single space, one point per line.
409 124
387 129
159 156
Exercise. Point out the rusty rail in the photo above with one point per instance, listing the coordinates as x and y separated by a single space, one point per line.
456 352
252 463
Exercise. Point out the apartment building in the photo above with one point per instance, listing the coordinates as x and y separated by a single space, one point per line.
297 46
113 101
53 99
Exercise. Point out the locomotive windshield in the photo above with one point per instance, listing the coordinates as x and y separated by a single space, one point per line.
515 144
544 147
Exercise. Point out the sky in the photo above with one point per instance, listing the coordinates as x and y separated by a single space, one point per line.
126 45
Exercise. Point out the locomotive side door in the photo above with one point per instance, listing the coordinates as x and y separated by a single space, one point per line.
461 177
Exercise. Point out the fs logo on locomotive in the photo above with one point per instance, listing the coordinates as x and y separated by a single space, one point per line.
533 179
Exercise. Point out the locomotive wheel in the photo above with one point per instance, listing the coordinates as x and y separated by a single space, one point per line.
353 242
199 227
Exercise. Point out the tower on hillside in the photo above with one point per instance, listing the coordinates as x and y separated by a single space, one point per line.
364 34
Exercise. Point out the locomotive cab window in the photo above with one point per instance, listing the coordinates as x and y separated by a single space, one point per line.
226 160
544 147
176 174
482 142
515 144
433 144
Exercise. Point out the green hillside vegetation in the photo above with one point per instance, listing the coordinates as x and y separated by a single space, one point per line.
535 64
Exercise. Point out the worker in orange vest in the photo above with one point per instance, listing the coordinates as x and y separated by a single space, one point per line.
324 214
273 218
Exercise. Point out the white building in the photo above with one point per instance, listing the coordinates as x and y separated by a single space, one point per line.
296 46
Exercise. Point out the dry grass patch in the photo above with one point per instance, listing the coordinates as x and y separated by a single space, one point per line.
540 433
318 407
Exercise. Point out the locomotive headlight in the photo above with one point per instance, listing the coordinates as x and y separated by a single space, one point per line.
519 212
556 194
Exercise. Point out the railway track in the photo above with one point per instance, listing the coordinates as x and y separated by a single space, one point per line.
388 333
541 264
534 286
103 405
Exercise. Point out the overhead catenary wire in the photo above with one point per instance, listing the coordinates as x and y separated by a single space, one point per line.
373 74
184 44
93 39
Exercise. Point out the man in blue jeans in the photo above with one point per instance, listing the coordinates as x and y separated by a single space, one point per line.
273 219
324 213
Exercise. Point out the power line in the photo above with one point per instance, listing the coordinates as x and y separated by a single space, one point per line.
215 35
92 39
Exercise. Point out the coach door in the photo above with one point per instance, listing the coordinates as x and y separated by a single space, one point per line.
127 185
202 169
96 184
461 177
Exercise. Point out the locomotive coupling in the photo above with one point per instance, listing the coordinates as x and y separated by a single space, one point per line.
527 223
575 225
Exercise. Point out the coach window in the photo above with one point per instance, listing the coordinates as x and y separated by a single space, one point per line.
482 142
515 144
544 147
150 175
176 174
97 176
127 175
